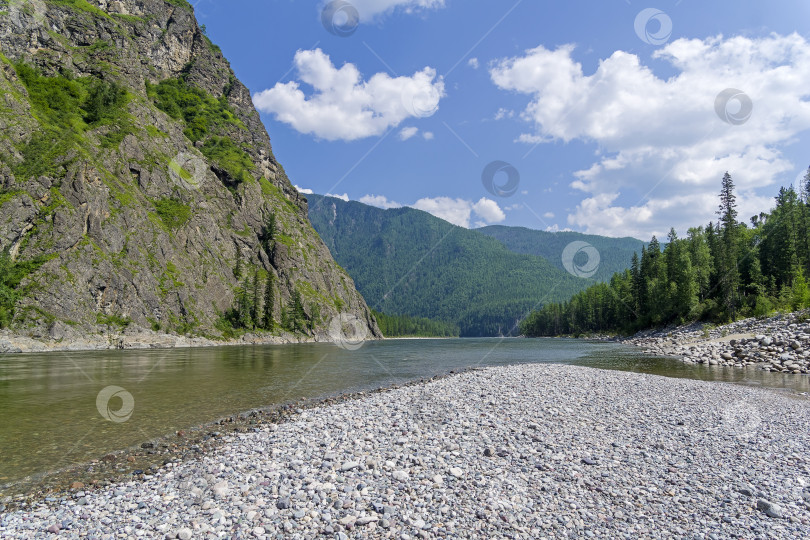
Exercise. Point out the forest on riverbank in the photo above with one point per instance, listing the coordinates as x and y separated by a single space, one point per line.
721 272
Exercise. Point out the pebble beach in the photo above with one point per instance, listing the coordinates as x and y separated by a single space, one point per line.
529 451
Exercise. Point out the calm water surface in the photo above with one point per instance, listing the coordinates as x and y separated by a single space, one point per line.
49 417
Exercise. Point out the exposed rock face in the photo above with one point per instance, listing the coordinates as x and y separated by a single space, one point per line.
95 219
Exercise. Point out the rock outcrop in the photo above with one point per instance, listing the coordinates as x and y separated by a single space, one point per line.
145 216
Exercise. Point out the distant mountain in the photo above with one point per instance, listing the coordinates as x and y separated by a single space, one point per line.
614 253
408 262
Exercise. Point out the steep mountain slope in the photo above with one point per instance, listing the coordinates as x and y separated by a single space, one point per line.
409 262
614 253
138 182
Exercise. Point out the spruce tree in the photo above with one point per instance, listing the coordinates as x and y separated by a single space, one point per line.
237 271
255 315
269 300
728 272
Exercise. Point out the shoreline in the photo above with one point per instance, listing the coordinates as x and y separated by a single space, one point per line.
526 451
137 338
189 444
778 344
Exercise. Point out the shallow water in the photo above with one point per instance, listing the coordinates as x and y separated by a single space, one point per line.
50 418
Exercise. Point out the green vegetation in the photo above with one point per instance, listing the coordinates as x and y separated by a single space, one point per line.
614 252
82 5
179 3
404 326
12 274
114 320
718 273
172 212
253 308
66 108
268 234
208 120
408 262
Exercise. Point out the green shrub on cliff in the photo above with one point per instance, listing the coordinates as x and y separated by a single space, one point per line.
66 109
206 119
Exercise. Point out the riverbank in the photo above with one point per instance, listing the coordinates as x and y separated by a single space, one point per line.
523 451
779 344
138 338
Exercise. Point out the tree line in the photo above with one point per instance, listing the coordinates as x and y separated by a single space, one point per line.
255 297
721 272
405 326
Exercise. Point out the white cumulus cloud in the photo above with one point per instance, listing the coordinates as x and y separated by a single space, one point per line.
380 201
344 106
407 133
428 135
504 113
662 147
344 197
460 211
473 63
305 191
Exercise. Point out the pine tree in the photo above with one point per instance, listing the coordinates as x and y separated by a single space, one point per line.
244 304
728 272
255 315
296 313
635 285
804 213
269 233
701 258
237 271
269 300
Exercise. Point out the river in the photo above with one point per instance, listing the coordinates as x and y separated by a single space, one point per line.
60 409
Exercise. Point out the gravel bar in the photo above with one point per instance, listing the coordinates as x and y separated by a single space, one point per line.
528 451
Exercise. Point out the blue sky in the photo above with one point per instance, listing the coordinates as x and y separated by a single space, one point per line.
607 124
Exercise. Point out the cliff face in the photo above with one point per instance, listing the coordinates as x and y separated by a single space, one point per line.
137 182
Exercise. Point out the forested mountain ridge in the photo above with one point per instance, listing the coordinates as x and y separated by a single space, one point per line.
719 273
614 253
408 262
138 185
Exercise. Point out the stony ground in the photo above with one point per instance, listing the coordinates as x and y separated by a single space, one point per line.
779 344
515 452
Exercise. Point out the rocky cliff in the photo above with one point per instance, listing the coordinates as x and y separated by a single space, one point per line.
138 186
